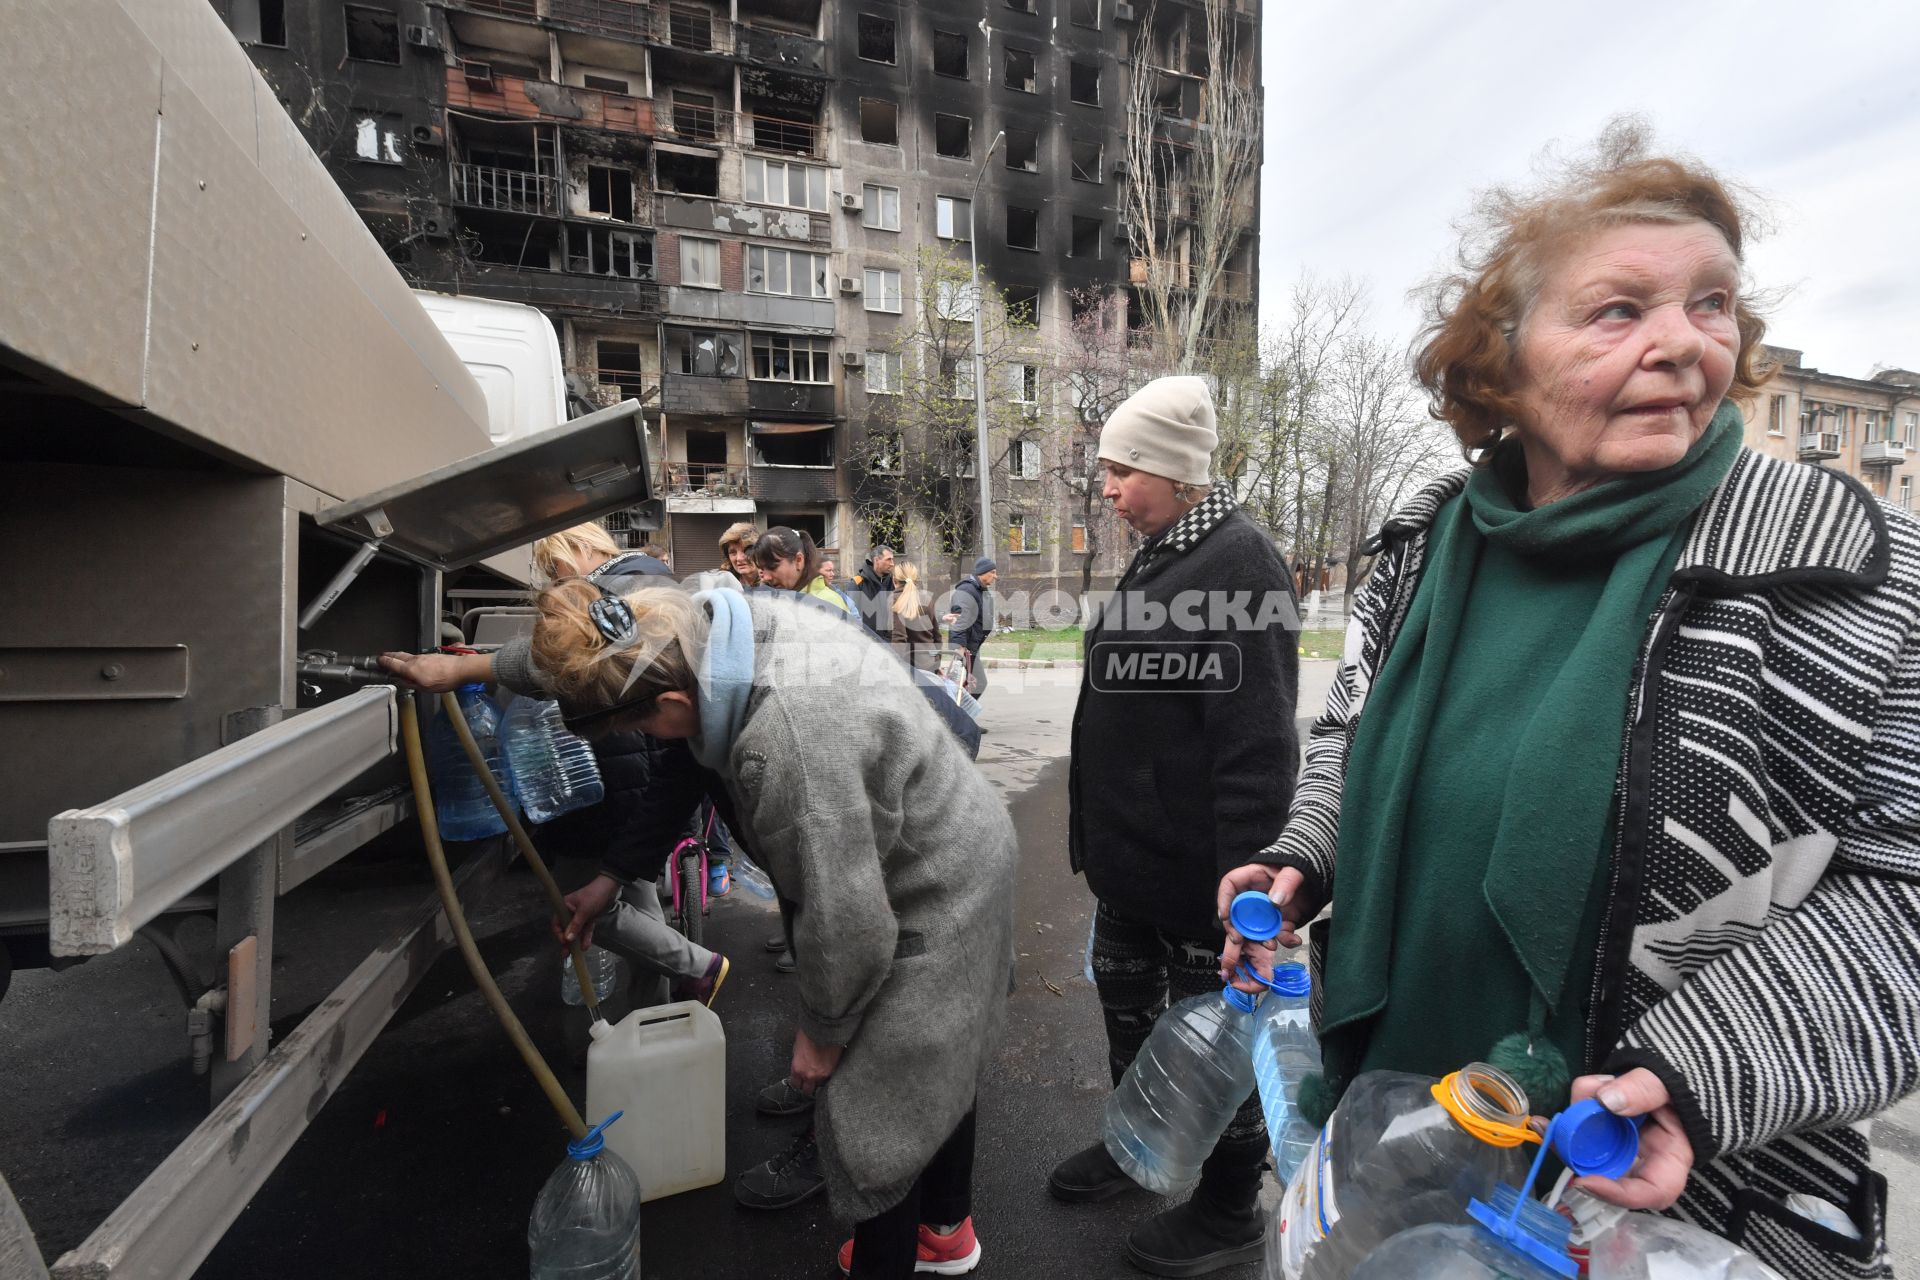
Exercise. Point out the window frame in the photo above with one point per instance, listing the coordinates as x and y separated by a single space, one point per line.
890 105
787 167
819 357
889 364
704 242
1077 538
1072 64
896 295
1030 459
822 278
870 201
1007 55
347 11
859 39
951 206
1029 533
954 300
1023 248
967 154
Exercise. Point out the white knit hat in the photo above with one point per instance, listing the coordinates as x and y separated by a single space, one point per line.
1165 428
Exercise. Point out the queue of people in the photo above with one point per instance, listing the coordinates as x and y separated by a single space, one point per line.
1617 787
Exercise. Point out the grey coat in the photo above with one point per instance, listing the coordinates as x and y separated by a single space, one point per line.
903 929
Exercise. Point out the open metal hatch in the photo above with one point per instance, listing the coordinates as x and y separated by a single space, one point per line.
508 497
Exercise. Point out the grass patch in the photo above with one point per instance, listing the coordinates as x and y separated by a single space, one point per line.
1321 644
1035 642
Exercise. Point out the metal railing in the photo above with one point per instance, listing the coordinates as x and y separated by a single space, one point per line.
695 123
514 190
776 133
712 479
628 18
692 29
528 9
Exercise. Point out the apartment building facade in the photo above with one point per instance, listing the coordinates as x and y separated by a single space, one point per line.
722 208
1867 427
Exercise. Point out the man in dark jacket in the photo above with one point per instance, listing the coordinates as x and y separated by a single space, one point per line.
1183 762
872 592
970 620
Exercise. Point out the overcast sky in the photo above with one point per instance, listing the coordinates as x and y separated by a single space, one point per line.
1384 117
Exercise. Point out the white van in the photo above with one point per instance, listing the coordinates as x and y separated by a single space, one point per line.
512 353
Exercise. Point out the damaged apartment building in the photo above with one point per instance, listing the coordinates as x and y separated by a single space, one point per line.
720 208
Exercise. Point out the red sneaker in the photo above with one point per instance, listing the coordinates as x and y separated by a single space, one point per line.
953 1254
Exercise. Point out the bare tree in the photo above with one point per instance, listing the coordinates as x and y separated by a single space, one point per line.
1384 442
1094 362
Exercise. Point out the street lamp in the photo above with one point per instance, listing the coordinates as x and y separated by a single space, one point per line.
980 359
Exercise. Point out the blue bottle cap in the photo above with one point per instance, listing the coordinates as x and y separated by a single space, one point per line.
1244 1001
1254 916
475 687
1590 1139
591 1143
1291 980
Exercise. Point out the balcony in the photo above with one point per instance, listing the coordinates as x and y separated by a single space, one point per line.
525 10
791 399
783 50
700 396
1883 453
693 30
624 19
687 122
604 388
793 484
777 133
475 87
1816 445
510 190
714 479
566 293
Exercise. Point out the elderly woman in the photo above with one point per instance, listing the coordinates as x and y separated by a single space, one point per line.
901 913
1620 777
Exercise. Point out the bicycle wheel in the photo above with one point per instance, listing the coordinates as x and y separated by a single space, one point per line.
692 923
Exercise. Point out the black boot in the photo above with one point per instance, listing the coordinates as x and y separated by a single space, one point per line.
1089 1175
1196 1238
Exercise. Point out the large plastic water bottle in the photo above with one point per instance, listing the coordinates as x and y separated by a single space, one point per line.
586 1223
748 875
553 770
460 800
603 967
1285 1052
1400 1151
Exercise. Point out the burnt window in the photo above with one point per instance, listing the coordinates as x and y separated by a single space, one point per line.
610 192
1023 6
373 35
687 175
880 121
1023 149
704 353
953 136
1022 74
1086 161
1086 237
1086 13
1023 228
618 364
1023 303
602 251
876 38
260 22
607 84
1083 83
950 54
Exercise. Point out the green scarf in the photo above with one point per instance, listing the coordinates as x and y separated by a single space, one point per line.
1474 821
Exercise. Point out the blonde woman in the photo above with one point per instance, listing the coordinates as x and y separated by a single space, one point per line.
915 632
903 931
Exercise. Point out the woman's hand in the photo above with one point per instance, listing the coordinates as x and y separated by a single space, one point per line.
1283 885
587 904
813 1063
439 672
1666 1157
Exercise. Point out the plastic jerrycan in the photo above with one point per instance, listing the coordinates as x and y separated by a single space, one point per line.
586 1222
1285 1050
1400 1151
666 1067
1513 1237
1183 1087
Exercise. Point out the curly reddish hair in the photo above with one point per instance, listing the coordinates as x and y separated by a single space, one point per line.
1466 355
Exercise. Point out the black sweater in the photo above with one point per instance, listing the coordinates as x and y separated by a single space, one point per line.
1184 749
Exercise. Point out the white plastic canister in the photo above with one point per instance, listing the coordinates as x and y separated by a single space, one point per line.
666 1067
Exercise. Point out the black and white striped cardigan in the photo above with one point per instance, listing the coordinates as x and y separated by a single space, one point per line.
1761 952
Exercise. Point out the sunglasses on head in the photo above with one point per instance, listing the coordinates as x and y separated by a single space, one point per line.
613 618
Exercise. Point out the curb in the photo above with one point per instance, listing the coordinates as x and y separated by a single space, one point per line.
1039 664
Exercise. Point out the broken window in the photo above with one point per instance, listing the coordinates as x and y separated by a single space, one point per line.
1023 304
617 364
1169 96
880 121
780 358
786 272
1023 149
1022 6
1083 83
880 207
700 262
610 192
705 353
1022 71
1086 161
804 448
883 290
373 35
694 116
1086 237
950 54
952 218
1026 385
1086 13
953 136
377 138
1023 228
601 251
1023 459
260 22
607 84
798 186
876 38
687 175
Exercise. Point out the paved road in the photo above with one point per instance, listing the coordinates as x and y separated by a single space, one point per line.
428 1159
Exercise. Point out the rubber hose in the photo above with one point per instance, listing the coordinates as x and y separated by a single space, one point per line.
470 950
450 706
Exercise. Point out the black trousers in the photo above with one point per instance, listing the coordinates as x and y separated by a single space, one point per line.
1139 970
886 1247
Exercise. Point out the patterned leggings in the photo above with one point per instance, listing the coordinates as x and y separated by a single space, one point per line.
1139 970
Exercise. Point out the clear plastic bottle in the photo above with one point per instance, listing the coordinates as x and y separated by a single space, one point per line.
603 968
553 770
1175 1101
460 801
586 1223
1285 1052
748 875
1391 1157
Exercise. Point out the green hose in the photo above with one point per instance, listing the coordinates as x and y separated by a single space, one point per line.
469 950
